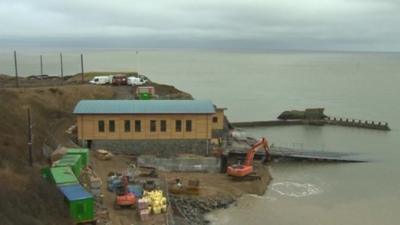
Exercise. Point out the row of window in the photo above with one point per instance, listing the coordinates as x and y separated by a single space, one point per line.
138 126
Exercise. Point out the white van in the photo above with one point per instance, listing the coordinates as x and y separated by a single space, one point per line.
136 81
100 80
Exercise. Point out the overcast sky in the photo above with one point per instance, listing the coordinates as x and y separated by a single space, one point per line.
370 25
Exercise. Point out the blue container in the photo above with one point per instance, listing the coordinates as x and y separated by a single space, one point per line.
136 189
113 184
80 202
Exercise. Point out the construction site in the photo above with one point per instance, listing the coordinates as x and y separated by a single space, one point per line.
119 154
122 149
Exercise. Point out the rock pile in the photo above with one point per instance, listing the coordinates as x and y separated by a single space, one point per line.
193 209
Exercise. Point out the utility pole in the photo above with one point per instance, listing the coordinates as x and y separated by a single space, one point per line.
137 62
30 158
82 67
41 65
16 69
62 69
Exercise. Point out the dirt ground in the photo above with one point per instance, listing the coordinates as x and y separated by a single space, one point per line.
214 184
211 185
125 216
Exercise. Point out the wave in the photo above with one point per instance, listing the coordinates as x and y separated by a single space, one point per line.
294 189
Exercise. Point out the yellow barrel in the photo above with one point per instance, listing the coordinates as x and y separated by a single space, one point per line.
156 210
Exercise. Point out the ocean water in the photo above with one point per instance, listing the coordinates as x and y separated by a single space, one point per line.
260 85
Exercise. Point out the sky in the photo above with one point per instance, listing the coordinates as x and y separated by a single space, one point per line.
352 25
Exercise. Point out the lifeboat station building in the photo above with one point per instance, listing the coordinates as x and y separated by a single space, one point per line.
161 127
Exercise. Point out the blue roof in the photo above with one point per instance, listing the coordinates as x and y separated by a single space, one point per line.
74 192
144 107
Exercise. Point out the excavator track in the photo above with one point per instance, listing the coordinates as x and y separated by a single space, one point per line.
251 177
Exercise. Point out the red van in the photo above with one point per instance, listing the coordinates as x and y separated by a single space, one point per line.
120 79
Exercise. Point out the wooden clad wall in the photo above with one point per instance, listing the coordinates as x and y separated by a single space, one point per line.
88 127
219 125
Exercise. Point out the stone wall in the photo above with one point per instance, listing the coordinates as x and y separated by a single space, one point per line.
181 164
219 133
163 148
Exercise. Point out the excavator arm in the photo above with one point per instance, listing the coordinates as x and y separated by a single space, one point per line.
250 154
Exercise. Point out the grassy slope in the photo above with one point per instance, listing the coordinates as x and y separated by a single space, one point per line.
25 198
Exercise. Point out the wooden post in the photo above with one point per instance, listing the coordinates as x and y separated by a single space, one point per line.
41 65
207 153
62 69
30 158
82 79
16 70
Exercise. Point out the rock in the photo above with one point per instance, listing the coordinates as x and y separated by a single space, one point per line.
292 115
103 154
308 114
58 153
194 208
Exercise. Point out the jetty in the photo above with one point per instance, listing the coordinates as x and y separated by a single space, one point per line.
367 124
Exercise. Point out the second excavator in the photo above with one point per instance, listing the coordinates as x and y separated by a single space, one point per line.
246 169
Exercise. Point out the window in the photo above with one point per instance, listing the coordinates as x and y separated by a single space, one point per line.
127 126
188 125
163 125
178 125
111 125
215 119
153 126
138 126
101 125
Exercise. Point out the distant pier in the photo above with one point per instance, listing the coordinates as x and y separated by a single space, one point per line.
338 121
368 124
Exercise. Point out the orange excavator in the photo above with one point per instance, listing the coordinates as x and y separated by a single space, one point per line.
246 169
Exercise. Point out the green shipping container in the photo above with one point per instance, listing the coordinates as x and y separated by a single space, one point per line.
80 202
63 175
73 161
83 152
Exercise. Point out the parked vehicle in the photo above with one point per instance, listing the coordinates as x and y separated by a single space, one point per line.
136 81
100 80
120 79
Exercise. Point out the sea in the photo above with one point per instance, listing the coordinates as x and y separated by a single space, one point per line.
259 85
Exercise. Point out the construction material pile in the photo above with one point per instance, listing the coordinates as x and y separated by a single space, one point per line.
91 180
156 201
113 180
